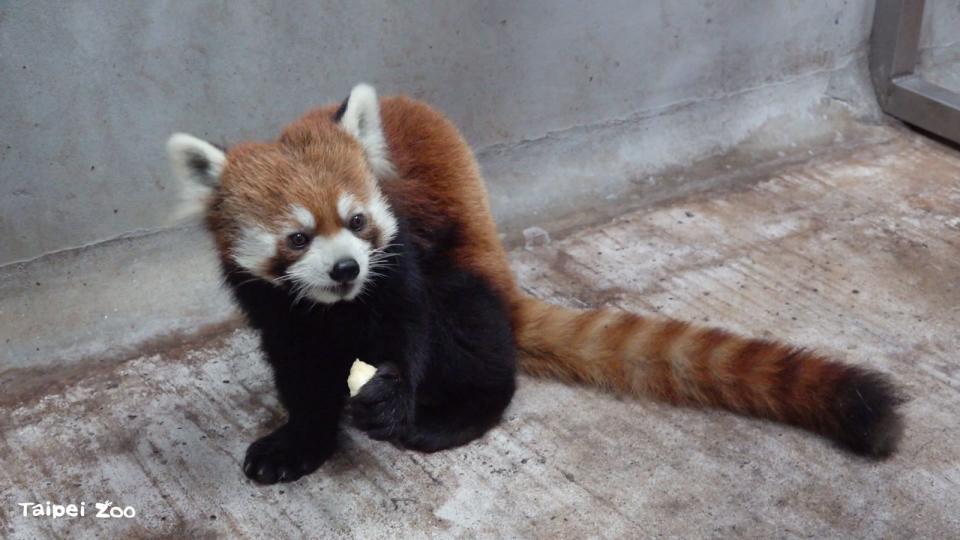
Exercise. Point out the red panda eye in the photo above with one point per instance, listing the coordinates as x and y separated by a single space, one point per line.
298 240
357 222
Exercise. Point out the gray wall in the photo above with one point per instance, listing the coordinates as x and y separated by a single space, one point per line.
90 90
941 24
940 44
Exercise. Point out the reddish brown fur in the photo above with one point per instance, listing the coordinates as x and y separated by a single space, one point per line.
311 164
439 184
757 377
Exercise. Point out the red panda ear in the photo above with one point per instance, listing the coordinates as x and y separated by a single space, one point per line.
197 164
195 160
360 116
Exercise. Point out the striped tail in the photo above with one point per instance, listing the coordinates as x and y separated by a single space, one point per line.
687 364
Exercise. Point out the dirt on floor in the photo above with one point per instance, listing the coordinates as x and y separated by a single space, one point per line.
854 254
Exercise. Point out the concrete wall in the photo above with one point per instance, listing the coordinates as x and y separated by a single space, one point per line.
940 44
941 24
90 89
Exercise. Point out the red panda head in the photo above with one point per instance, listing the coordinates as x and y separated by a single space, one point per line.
304 212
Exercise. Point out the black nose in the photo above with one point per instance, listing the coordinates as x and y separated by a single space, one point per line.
344 270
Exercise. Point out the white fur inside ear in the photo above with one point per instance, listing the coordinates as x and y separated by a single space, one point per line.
197 165
361 118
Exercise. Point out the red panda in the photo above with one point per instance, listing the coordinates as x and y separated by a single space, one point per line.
364 231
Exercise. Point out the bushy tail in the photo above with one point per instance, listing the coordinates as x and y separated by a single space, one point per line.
686 364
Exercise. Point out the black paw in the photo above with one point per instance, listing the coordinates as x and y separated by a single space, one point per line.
382 407
282 456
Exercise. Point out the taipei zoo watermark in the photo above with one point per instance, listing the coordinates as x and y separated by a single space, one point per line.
101 510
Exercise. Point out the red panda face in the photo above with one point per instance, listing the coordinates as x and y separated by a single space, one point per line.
304 213
314 222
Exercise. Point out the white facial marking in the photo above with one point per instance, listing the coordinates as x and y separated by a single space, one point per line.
255 246
378 212
304 217
346 207
362 120
311 274
382 216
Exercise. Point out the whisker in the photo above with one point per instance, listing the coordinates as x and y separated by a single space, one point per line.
380 260
244 282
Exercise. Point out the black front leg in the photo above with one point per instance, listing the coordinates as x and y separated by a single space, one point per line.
387 409
295 449
314 399
383 406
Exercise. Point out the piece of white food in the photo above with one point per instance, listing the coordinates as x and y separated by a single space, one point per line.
360 373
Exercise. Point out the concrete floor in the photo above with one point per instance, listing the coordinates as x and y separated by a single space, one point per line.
853 253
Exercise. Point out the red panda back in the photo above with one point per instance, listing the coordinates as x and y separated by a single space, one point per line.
439 186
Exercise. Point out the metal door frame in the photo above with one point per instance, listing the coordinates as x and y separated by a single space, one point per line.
894 45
